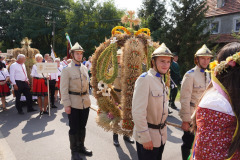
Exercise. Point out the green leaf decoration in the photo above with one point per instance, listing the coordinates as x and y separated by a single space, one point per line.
107 56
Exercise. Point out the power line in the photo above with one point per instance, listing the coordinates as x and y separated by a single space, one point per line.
48 5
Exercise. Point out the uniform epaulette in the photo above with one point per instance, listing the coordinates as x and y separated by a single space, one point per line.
190 71
144 74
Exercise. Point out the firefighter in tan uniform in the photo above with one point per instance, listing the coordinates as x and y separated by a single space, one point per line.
149 107
194 83
75 98
117 88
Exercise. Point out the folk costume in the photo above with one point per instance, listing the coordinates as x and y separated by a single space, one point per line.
4 89
75 93
150 110
217 124
59 77
194 83
39 87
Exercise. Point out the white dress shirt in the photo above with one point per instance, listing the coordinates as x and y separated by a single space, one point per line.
60 70
3 74
53 76
88 64
18 72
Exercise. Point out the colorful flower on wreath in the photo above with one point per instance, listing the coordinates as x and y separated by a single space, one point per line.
142 31
230 61
213 64
110 115
126 125
114 30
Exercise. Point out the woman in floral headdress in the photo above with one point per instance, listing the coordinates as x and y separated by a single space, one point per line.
217 115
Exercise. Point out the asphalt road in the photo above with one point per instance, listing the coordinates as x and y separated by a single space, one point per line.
34 137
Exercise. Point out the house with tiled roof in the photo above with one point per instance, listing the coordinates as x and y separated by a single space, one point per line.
224 16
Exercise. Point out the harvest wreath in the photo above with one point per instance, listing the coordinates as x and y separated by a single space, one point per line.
114 114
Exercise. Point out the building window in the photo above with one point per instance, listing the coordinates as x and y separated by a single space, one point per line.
236 24
215 27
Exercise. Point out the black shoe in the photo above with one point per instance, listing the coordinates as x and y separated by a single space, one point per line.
173 106
31 110
169 112
76 156
73 147
128 139
85 151
115 140
21 113
53 106
45 112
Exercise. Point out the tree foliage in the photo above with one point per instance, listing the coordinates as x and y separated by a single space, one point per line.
153 16
87 22
188 33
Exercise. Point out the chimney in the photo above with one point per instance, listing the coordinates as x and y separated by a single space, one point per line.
220 3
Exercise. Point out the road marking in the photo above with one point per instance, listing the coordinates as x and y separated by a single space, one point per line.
5 151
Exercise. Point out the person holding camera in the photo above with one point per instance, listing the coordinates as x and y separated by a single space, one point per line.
4 85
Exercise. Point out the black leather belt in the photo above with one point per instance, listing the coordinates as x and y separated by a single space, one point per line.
159 126
77 93
117 90
37 78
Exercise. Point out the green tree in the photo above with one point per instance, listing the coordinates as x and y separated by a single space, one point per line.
89 22
153 16
189 33
34 19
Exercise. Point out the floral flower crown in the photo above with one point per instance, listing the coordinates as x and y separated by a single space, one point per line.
230 61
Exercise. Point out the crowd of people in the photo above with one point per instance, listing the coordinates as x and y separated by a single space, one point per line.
14 80
209 100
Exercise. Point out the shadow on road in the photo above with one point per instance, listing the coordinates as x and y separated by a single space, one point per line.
131 149
64 118
121 154
41 122
173 119
172 138
10 119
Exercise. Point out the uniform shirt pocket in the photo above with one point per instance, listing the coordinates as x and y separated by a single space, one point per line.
157 93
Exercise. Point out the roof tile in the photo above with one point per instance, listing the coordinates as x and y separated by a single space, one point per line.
230 6
223 38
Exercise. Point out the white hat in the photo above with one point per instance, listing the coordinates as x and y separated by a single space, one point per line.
162 51
204 51
77 47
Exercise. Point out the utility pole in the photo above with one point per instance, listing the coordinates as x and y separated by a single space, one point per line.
53 33
53 22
